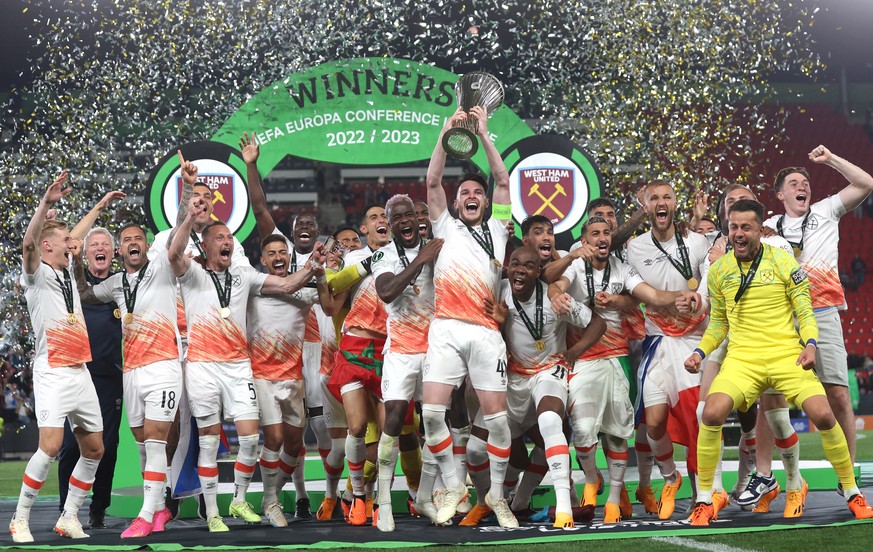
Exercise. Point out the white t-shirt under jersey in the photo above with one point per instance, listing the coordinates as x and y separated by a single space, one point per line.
464 274
409 315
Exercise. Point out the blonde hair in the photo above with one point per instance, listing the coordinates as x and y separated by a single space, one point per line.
51 226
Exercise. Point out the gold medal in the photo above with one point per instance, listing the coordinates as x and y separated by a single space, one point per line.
496 264
128 318
797 251
71 319
225 312
416 290
693 284
116 313
540 345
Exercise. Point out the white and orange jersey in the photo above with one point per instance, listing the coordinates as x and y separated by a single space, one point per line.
409 315
656 270
367 309
622 277
152 334
820 256
464 274
311 333
212 338
276 325
525 358
329 346
58 343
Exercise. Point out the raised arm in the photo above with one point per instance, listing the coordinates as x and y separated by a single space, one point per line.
283 285
86 290
180 235
436 195
189 177
30 242
495 161
390 286
81 230
555 269
860 181
250 152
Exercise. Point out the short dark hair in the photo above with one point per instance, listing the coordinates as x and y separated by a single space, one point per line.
342 229
125 227
746 205
531 220
272 238
709 220
783 174
366 210
600 202
475 177
594 220
208 228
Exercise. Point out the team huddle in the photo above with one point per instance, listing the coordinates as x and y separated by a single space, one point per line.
435 347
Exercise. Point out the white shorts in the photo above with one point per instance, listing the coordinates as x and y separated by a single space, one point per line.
458 349
221 387
311 376
662 372
524 393
831 362
281 401
401 376
334 412
153 392
600 401
719 353
66 393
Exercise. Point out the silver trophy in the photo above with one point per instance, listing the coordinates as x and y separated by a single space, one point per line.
472 89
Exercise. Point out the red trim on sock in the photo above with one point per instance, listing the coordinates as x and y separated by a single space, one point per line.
441 446
497 451
557 449
323 453
245 468
457 451
153 476
483 466
507 483
788 442
536 468
356 466
616 455
330 470
664 457
585 450
207 471
33 483
642 447
81 484
269 465
751 442
286 467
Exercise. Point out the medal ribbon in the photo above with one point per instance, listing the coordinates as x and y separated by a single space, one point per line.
685 267
802 230
197 243
66 287
486 243
746 279
589 280
535 329
405 262
223 294
130 298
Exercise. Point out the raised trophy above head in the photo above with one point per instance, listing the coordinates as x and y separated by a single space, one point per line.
472 89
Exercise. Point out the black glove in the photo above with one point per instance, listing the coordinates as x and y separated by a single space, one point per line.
366 263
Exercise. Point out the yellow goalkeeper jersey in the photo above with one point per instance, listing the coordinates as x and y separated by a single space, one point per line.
762 324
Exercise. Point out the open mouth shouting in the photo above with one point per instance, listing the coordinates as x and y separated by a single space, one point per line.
471 207
661 216
304 237
408 232
279 265
382 230
224 253
602 248
134 254
422 229
518 282
802 198
545 250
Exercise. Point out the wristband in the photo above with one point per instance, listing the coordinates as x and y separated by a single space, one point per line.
811 342
321 279
501 212
700 352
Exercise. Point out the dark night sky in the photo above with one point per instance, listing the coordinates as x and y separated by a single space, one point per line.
843 32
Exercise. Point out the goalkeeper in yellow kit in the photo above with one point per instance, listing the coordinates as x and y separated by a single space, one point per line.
755 292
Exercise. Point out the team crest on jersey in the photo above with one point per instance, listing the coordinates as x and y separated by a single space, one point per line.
43 415
236 281
616 287
767 276
812 222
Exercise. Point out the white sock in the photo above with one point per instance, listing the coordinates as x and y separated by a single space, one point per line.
207 471
81 482
460 436
299 476
270 475
356 453
154 476
557 458
616 457
747 451
389 450
333 466
244 466
478 464
645 456
439 441
788 445
663 450
499 447
35 474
